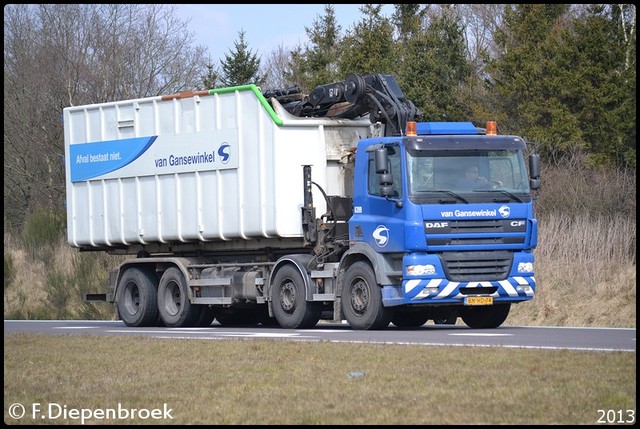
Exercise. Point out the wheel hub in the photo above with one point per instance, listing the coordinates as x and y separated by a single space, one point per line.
288 297
359 296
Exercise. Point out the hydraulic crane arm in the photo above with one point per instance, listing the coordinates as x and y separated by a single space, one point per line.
376 95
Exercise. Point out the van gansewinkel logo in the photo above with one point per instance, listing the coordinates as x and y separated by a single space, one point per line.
504 211
223 153
381 235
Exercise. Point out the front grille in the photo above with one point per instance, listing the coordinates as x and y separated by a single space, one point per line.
476 266
488 232
474 241
475 226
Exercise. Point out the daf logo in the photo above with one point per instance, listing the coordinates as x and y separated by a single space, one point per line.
381 235
505 211
436 224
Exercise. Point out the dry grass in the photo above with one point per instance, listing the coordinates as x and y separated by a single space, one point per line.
585 278
585 270
28 291
279 382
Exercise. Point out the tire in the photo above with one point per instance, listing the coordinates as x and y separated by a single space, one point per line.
409 319
290 307
137 302
485 317
173 300
362 299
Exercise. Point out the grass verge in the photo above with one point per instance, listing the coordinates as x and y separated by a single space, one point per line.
280 382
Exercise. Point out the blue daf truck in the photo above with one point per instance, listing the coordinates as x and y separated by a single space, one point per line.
277 207
441 246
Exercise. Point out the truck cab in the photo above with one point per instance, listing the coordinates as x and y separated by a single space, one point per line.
440 244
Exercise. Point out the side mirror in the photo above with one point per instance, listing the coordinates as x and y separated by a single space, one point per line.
534 171
382 160
382 170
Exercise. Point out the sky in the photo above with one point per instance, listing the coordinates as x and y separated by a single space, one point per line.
266 27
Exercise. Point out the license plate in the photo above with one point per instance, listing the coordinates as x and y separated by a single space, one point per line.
478 300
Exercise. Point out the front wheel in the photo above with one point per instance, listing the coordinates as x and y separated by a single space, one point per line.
362 299
290 307
485 317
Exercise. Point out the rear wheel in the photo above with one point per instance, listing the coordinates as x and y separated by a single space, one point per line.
290 307
362 299
136 301
485 317
173 300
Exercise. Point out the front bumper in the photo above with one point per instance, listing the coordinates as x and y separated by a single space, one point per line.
443 291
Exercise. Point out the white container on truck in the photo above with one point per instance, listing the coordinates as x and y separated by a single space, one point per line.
276 207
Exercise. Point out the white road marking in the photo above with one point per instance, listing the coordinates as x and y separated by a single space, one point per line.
482 335
74 327
257 335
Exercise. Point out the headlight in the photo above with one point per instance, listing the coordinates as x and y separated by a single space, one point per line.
525 267
420 270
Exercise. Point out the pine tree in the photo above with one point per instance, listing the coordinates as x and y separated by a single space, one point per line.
241 66
435 69
567 81
527 78
318 62
407 19
369 46
210 80
601 57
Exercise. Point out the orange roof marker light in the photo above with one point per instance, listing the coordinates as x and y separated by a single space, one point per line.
411 128
492 128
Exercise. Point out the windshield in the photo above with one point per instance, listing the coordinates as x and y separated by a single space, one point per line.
467 175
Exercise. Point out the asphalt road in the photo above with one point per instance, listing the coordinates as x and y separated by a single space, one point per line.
588 339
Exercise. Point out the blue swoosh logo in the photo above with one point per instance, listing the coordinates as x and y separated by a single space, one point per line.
90 160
